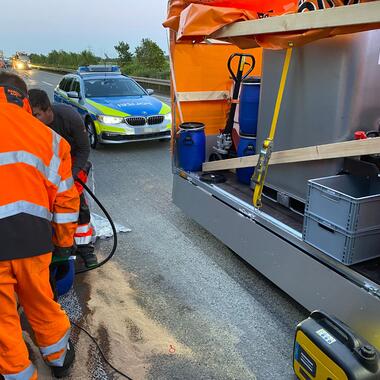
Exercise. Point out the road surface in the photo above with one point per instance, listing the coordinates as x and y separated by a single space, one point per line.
175 303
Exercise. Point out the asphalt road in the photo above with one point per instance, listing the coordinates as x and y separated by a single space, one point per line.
175 303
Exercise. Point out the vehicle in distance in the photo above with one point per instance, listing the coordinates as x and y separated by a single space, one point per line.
21 61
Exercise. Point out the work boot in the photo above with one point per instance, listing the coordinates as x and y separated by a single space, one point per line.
89 259
86 252
63 371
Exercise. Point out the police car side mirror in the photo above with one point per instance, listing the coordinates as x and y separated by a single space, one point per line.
150 91
73 95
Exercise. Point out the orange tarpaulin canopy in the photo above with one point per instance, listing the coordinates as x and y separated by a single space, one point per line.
200 77
251 8
198 19
210 74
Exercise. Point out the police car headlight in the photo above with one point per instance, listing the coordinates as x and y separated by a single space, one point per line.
168 116
110 119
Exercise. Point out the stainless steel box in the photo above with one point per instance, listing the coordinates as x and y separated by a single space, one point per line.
333 89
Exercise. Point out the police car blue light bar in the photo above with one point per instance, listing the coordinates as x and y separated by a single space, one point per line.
99 69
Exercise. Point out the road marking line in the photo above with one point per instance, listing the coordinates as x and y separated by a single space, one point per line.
49 84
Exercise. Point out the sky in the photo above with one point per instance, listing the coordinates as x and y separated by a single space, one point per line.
39 26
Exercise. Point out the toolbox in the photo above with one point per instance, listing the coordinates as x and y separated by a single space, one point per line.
342 217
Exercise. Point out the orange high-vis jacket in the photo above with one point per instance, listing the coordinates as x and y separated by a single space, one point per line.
39 202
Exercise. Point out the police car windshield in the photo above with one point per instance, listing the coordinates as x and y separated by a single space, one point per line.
111 87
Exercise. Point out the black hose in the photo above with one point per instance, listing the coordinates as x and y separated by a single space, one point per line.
100 350
107 215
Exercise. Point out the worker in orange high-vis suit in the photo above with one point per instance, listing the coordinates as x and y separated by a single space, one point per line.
39 206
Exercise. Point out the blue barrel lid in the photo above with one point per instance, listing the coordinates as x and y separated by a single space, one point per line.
252 80
191 125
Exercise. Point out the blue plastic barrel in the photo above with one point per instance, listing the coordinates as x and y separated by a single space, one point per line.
192 146
249 106
247 147
64 277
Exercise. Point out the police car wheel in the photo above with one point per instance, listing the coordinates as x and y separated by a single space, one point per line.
92 134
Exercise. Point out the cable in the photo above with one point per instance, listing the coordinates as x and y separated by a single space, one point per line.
109 257
107 215
100 350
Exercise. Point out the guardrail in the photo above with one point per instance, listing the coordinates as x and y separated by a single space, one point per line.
161 86
61 70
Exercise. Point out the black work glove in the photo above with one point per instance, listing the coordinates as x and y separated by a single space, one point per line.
64 252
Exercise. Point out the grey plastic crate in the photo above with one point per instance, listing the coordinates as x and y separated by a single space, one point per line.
348 202
347 248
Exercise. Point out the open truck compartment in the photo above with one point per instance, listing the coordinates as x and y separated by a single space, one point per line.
290 222
331 92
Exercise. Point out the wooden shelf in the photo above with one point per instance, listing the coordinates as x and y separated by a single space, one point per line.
366 13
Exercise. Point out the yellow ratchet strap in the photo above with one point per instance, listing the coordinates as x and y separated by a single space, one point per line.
265 153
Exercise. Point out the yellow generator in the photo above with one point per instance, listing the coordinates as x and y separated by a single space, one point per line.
326 349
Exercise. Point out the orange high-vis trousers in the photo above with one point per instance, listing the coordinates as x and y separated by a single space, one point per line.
29 278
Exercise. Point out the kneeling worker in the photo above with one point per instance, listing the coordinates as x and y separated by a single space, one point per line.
37 196
64 120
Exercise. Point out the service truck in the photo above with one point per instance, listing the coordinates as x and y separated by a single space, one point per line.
297 221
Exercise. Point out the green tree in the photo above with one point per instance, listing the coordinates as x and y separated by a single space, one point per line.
53 57
38 59
66 59
150 55
150 61
86 57
125 56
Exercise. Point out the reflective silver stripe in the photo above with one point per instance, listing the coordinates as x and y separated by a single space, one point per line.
19 207
62 218
65 185
83 229
27 158
83 240
26 374
58 362
56 347
55 161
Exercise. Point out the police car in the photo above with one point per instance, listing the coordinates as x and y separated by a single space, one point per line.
115 108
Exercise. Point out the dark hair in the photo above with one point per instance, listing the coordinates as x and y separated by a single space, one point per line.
13 80
39 99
